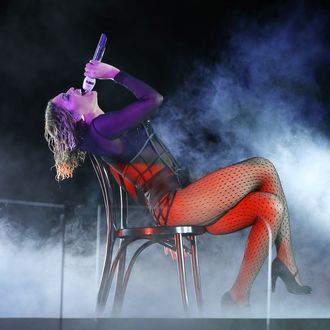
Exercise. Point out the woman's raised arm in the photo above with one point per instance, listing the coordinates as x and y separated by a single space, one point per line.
112 124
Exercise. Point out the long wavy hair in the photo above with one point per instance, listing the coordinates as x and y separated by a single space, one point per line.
62 136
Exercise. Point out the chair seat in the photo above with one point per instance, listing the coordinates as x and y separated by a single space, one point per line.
161 231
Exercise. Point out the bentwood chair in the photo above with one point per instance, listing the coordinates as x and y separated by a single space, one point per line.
172 237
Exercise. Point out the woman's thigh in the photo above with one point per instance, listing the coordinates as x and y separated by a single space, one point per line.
255 206
210 197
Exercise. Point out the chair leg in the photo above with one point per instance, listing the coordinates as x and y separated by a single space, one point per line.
101 297
195 269
132 262
119 294
107 278
181 270
118 303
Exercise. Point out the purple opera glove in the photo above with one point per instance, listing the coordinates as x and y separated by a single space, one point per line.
112 124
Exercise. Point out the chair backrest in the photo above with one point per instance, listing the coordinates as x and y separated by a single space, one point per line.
115 203
114 197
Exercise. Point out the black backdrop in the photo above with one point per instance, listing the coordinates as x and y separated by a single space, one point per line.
44 46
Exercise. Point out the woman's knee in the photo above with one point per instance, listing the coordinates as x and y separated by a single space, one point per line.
272 206
266 203
262 161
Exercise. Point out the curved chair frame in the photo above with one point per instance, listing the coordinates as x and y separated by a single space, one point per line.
170 237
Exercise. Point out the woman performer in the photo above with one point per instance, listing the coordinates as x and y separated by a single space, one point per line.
248 193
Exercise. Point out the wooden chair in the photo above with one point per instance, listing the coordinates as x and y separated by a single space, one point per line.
172 237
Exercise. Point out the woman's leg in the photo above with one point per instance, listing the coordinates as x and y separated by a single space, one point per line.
254 209
283 238
215 194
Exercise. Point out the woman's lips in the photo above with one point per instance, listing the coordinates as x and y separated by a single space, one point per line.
81 92
78 91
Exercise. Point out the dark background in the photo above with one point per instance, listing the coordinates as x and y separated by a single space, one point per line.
45 45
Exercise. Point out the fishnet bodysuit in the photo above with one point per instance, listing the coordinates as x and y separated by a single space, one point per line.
248 193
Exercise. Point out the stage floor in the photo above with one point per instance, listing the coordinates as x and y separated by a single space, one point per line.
161 324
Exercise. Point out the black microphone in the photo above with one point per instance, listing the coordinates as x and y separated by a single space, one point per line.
89 83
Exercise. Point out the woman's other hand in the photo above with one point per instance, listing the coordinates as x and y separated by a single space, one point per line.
173 253
100 70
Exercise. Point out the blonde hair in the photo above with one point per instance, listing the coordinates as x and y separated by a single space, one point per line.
62 137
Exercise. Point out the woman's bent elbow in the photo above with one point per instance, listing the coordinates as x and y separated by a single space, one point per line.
159 99
154 100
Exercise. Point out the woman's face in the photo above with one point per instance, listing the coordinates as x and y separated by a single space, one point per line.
79 105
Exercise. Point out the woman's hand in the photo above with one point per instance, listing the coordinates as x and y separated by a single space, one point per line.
173 253
99 70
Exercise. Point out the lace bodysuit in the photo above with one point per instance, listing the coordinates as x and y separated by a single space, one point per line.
137 158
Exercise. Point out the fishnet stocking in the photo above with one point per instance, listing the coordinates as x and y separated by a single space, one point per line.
233 198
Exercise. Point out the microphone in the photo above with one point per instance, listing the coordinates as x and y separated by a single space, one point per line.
89 83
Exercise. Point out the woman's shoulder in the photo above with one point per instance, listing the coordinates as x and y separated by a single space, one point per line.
90 140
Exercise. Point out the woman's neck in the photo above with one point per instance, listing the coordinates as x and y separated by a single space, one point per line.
88 117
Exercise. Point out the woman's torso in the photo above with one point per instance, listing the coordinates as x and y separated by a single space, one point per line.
140 163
